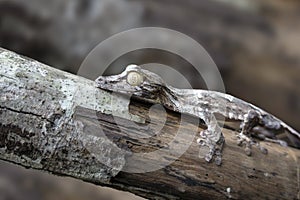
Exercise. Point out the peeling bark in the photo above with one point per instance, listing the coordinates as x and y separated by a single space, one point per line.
60 123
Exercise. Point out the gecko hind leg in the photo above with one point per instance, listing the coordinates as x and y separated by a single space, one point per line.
252 119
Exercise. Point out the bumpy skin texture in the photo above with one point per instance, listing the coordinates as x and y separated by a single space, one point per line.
255 122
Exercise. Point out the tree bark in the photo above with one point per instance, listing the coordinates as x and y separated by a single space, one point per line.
60 123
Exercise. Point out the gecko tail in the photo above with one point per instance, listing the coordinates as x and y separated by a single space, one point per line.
292 135
281 131
287 134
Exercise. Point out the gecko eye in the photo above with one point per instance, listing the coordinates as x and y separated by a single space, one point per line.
134 79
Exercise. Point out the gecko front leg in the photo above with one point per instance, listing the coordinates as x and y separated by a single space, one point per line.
211 138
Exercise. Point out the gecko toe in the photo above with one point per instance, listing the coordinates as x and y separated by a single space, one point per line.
263 150
201 142
218 159
248 150
208 157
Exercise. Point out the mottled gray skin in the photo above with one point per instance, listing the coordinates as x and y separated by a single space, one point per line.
256 123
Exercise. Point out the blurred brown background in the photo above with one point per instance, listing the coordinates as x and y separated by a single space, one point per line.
255 44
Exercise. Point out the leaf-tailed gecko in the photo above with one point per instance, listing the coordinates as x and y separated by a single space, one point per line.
255 122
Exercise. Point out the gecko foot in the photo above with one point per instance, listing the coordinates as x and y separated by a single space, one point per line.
213 146
248 142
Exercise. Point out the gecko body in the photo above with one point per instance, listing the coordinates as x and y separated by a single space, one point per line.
255 122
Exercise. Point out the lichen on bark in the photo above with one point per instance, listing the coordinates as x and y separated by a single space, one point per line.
37 125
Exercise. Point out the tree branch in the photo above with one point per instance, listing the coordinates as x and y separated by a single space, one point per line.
60 123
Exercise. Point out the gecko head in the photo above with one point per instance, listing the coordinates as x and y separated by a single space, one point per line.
134 81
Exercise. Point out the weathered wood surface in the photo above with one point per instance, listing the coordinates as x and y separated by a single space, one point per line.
53 121
251 41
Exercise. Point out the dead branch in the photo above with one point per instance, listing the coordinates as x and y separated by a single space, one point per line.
60 123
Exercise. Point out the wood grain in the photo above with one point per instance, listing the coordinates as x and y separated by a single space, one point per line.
60 123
